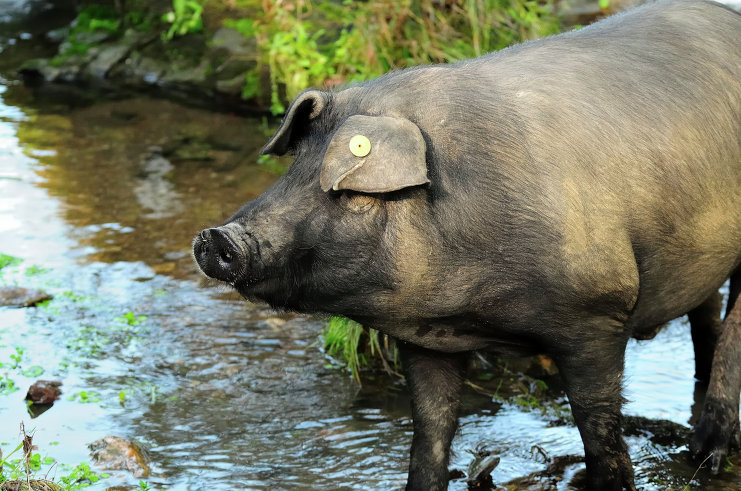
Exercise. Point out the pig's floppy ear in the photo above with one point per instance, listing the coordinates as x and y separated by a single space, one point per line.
306 106
374 154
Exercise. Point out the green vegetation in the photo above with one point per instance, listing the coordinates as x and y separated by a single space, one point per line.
35 270
99 21
31 466
7 385
303 45
85 397
533 394
16 358
81 476
94 340
185 18
34 371
353 347
131 319
7 260
92 19
321 43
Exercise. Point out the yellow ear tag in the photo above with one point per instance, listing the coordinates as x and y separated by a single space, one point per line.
360 146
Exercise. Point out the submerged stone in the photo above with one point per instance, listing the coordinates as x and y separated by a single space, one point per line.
116 453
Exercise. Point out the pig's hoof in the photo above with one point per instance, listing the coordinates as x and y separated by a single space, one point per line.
611 474
715 433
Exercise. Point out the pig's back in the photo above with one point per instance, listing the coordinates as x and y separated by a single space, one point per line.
628 142
606 162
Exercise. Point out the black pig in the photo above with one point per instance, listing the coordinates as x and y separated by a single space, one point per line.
559 197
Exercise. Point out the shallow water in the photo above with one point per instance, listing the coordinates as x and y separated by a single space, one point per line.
100 197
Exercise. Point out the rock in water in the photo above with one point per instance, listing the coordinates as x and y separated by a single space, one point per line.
16 296
44 392
116 453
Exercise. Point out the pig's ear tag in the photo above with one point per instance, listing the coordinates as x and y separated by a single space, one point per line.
360 146
386 154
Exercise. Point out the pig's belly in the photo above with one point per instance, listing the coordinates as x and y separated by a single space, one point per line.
672 285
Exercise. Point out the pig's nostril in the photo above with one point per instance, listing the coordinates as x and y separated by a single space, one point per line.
218 255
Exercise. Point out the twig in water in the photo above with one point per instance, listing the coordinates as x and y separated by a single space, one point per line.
687 487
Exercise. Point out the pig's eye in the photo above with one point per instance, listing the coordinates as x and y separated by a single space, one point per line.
357 202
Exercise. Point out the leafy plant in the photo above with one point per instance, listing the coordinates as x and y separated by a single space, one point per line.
354 347
7 385
33 371
85 397
23 470
36 270
8 260
185 18
338 42
81 476
93 18
131 319
12 471
17 357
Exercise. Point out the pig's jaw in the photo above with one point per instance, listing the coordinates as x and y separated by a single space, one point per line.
257 289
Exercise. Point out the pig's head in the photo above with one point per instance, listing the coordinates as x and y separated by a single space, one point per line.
323 238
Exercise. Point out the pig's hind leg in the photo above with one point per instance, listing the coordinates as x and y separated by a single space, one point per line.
718 427
705 324
592 371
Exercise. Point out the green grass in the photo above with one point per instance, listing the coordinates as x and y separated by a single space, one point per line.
306 44
355 348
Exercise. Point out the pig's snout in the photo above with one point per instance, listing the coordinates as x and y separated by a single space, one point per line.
218 255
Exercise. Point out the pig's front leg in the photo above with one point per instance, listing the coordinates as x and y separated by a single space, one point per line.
592 370
434 380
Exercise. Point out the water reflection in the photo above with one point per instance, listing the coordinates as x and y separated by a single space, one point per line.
137 165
